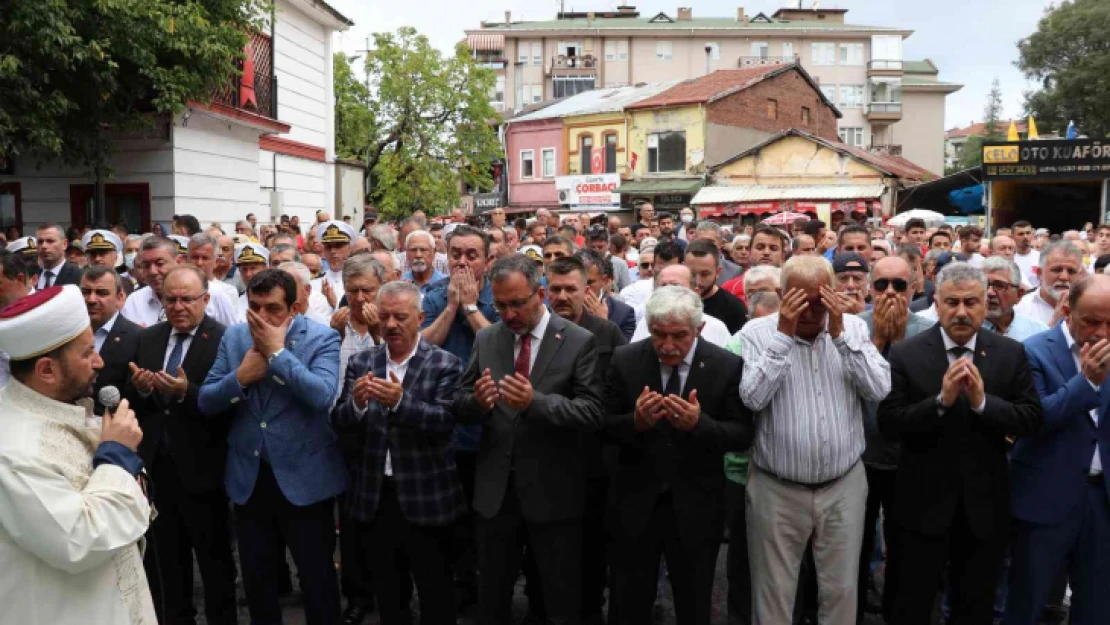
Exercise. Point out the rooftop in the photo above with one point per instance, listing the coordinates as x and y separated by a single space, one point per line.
657 22
722 83
925 66
608 100
980 129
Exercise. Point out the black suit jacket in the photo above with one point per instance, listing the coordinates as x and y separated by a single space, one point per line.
70 274
960 455
691 464
118 352
600 459
623 316
542 445
196 443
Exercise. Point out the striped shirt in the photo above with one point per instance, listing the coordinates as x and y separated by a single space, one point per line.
808 398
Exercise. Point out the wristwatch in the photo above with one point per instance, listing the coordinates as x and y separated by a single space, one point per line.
470 309
270 360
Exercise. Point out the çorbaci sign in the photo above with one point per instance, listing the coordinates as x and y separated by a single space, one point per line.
590 190
1079 159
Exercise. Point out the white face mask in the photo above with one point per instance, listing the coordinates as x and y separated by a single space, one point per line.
129 260
687 219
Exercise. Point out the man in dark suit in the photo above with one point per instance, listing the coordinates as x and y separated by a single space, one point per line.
52 258
532 384
1061 503
599 279
406 495
957 393
185 455
115 336
673 402
567 292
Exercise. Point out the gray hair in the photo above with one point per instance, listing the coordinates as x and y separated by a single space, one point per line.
384 235
400 287
765 299
810 269
934 255
506 266
762 272
882 244
424 233
960 272
361 265
201 239
1063 245
674 303
742 238
998 263
709 226
134 237
298 270
285 247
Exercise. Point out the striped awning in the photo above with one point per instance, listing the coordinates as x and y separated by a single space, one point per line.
485 42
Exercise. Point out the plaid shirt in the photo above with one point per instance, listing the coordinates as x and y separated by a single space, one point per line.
416 435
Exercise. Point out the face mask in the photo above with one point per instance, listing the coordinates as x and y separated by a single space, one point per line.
687 219
129 260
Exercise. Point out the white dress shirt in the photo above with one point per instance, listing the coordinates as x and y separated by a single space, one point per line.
398 369
949 345
715 331
1035 307
537 338
636 294
41 284
144 308
1074 348
102 333
188 340
665 372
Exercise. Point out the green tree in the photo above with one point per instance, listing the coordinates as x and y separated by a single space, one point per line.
993 128
353 120
971 155
430 124
73 72
1069 57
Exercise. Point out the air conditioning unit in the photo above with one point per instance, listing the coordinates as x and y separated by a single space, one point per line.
277 205
564 197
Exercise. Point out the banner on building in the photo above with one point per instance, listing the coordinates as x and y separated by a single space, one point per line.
593 190
1079 159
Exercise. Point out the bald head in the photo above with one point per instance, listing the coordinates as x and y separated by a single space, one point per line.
1003 246
891 267
1088 310
675 275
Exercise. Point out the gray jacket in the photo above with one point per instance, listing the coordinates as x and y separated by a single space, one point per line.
882 453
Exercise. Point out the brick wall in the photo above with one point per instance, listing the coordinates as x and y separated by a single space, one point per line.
791 92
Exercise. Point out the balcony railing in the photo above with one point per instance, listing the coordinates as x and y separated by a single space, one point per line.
889 64
586 61
259 50
884 108
758 61
886 150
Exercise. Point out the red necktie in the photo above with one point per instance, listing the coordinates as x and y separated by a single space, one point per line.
523 362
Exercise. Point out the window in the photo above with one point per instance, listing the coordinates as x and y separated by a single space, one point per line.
622 50
570 48
823 53
537 93
760 49
852 136
666 152
610 50
772 108
537 53
10 209
714 50
548 157
610 154
886 52
788 50
499 89
805 115
522 52
129 203
565 86
851 54
527 164
585 150
830 92
851 96
663 51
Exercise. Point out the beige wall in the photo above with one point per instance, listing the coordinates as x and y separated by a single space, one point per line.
723 142
921 131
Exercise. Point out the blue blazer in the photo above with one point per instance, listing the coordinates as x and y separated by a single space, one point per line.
1048 470
288 412
623 315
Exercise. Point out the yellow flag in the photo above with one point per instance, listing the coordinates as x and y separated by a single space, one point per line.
1012 135
1032 129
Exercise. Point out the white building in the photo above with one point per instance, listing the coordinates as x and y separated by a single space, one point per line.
218 161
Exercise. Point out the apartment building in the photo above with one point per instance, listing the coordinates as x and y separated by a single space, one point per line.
888 103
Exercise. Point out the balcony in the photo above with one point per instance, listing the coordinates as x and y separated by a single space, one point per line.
254 87
886 150
759 61
494 64
883 111
585 64
884 67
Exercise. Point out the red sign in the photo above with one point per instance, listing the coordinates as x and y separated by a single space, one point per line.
632 163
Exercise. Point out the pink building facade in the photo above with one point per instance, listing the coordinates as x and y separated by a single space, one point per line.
533 152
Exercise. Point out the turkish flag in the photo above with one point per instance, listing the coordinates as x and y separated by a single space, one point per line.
632 163
597 160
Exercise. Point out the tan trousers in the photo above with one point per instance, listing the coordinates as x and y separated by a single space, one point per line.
782 517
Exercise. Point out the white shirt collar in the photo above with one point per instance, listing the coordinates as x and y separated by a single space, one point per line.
56 269
949 343
404 363
192 333
1068 336
541 327
108 325
688 360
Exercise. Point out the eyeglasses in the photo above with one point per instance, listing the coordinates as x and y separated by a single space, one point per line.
170 301
1000 286
503 307
899 285
645 265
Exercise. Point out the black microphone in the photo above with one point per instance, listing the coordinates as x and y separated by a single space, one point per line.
110 398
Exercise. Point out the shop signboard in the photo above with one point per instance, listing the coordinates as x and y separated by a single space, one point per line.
1077 159
589 191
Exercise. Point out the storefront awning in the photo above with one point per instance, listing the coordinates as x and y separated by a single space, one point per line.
483 42
772 193
665 185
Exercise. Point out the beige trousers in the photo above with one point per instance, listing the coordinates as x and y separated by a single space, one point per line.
782 517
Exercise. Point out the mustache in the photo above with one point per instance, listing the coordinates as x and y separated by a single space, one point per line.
963 321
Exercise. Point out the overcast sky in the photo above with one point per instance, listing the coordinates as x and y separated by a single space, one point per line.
971 41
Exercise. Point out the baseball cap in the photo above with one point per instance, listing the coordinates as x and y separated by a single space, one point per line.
850 261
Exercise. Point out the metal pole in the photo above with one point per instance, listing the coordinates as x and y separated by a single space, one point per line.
988 199
1103 200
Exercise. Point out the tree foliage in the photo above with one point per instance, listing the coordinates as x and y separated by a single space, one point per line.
971 155
353 120
1069 56
993 130
72 69
430 124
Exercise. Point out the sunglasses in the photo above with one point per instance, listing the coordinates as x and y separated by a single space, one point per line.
645 265
899 284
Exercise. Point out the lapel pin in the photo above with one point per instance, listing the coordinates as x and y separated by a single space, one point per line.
983 354
117 339
558 337
204 335
701 365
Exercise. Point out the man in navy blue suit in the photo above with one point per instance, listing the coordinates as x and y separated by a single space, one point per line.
1058 490
279 375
